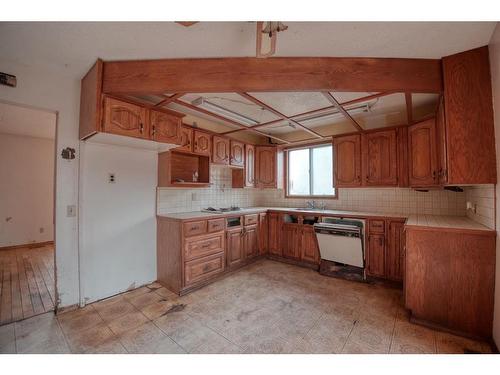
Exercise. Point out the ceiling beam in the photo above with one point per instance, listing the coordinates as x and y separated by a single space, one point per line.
409 108
279 114
250 74
341 109
232 122
168 99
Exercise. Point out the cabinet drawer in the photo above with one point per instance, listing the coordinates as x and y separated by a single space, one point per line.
203 268
202 246
251 219
194 228
215 225
376 226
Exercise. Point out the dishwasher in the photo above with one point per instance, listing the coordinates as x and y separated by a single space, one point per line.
342 247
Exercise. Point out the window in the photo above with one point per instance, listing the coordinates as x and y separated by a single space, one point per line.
310 172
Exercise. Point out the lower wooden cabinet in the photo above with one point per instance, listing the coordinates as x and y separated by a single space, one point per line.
251 241
234 246
263 233
291 240
394 260
203 268
309 251
275 234
376 255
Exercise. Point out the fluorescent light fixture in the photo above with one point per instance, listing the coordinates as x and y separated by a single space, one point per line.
224 112
333 114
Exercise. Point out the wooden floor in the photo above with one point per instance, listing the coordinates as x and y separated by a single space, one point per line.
27 285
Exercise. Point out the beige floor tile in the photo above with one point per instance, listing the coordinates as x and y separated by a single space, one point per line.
149 339
112 311
159 308
165 293
111 346
145 299
172 321
371 334
89 339
412 339
40 334
329 334
7 339
127 322
450 344
217 345
79 320
136 292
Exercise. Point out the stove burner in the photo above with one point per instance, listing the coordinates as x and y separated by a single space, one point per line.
221 209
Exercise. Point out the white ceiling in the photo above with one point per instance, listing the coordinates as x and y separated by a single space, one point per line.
73 47
26 121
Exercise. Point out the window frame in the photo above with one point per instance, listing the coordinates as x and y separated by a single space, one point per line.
309 147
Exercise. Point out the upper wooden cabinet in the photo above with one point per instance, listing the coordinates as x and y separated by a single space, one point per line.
422 154
186 141
237 157
347 161
268 167
220 151
165 127
468 113
201 143
249 165
123 118
380 167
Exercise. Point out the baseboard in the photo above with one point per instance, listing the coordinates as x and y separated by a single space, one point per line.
60 310
30 245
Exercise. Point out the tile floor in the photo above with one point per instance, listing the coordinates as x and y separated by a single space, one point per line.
268 307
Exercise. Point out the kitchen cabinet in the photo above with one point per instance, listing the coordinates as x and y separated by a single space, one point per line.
468 115
376 255
165 127
269 164
422 154
201 143
178 169
450 279
251 241
347 160
235 246
123 118
263 233
186 141
309 251
441 153
379 163
290 243
275 234
237 156
249 165
394 265
220 152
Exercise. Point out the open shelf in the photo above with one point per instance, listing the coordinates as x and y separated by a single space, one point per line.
177 169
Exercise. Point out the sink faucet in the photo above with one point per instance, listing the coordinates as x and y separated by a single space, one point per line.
311 204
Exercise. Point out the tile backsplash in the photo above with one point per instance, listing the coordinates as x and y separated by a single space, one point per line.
383 200
483 198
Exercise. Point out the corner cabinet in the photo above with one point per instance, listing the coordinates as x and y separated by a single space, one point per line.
423 169
347 160
123 118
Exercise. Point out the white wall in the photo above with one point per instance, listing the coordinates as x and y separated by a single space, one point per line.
117 220
495 78
26 189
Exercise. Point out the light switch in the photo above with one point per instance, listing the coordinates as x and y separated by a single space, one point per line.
111 178
71 211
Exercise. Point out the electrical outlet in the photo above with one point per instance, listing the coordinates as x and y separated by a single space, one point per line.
71 211
42 230
111 178
194 197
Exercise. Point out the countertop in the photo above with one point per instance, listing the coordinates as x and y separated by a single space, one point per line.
205 215
445 222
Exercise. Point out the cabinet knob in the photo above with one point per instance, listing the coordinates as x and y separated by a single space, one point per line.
141 127
153 131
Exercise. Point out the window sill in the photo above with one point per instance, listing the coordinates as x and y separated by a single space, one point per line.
319 197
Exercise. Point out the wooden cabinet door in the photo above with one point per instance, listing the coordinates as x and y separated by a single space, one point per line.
376 255
422 154
380 164
186 142
251 241
309 245
234 246
201 143
395 251
291 241
347 161
266 170
470 130
124 118
275 234
165 127
249 165
441 144
263 233
237 157
220 152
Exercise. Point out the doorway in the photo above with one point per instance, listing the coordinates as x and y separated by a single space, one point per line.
27 214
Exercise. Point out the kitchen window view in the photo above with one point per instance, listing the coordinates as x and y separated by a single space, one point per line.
310 172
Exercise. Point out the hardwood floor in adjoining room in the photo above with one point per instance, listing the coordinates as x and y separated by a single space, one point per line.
27 285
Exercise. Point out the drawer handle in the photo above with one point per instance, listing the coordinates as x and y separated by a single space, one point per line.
207 245
195 227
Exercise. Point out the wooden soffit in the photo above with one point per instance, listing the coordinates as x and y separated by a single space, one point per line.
272 74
